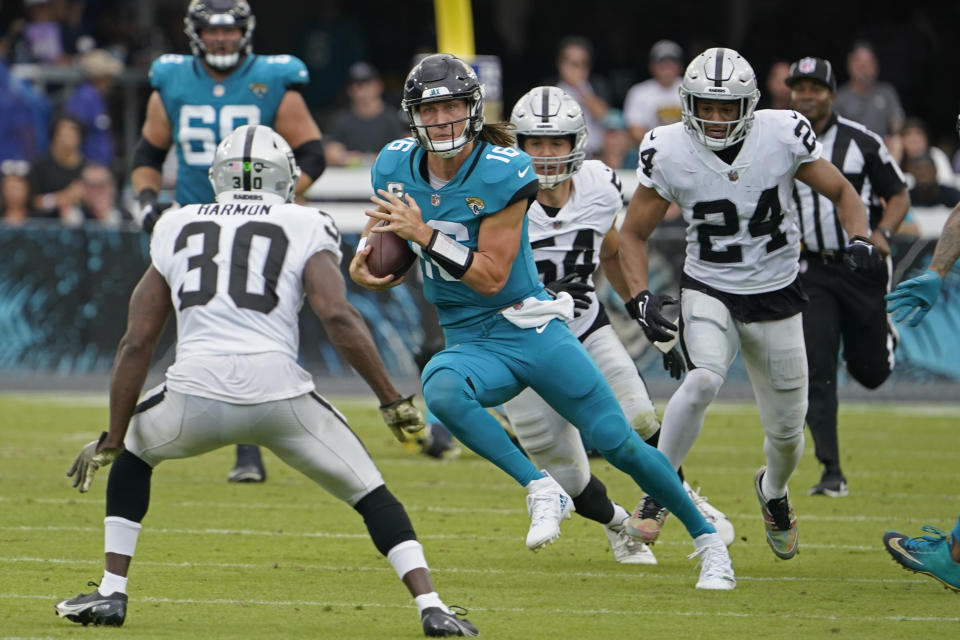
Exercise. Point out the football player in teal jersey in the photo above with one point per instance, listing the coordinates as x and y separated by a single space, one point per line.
458 192
198 100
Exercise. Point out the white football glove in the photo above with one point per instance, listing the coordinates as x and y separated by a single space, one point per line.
89 461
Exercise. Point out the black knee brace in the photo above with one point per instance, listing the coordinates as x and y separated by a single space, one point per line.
386 519
593 502
128 488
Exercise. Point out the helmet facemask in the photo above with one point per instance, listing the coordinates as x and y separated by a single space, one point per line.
202 14
719 74
451 146
550 111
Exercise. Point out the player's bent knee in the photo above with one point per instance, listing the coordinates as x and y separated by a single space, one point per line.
871 376
386 519
128 487
608 431
701 386
446 393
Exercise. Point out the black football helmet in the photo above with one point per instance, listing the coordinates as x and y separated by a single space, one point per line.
219 13
439 77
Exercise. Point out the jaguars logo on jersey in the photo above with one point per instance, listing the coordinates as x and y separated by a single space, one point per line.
476 205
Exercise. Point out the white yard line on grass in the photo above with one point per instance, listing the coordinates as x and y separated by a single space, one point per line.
560 611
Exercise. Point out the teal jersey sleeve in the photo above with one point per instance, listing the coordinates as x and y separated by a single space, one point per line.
165 69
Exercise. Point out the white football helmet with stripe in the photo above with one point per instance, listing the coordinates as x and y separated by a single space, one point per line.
551 111
254 158
719 74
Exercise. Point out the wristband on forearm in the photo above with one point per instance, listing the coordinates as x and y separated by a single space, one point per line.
453 257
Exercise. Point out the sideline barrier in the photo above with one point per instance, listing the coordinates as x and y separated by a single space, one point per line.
64 294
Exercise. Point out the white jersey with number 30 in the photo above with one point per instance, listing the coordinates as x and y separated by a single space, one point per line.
742 234
235 272
570 241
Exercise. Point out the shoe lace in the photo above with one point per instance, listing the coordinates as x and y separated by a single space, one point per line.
712 562
780 512
938 535
651 509
543 506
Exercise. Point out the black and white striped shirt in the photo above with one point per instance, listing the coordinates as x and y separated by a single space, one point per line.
865 161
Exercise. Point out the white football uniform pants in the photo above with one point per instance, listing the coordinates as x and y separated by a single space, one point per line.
776 364
306 432
552 442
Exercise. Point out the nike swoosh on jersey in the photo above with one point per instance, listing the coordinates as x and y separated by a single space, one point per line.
651 134
524 172
542 327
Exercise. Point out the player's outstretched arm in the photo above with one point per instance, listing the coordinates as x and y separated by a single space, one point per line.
326 293
610 263
156 132
947 250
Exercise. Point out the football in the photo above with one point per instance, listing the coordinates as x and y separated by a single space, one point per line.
390 254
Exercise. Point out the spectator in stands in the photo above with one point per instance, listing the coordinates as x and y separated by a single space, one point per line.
656 101
88 104
357 133
574 63
99 202
618 150
41 38
927 190
23 125
14 191
55 177
863 99
915 140
777 95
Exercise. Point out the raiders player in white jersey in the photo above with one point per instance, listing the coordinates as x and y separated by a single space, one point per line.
843 306
571 230
235 273
731 172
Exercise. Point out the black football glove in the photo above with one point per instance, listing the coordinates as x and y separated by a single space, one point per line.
577 289
674 363
861 255
646 308
150 209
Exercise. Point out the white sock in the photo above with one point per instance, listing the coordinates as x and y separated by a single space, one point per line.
112 583
406 557
706 539
120 535
427 600
781 463
534 485
683 417
619 515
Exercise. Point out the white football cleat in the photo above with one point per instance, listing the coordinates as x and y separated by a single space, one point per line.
712 515
547 504
716 570
627 549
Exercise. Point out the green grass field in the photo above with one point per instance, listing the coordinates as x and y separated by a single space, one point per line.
284 560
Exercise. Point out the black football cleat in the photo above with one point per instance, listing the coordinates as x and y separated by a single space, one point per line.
95 608
249 465
437 623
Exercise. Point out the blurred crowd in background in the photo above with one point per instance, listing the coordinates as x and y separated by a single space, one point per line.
73 87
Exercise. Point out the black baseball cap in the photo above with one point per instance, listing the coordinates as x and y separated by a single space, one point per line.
813 69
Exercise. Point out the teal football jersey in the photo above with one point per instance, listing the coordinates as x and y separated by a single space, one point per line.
203 111
491 179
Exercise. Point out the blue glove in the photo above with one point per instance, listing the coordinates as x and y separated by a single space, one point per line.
913 298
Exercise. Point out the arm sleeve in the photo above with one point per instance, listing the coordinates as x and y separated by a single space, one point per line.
649 172
885 175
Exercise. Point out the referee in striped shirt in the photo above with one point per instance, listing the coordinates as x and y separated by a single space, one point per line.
844 305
